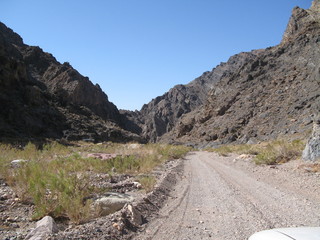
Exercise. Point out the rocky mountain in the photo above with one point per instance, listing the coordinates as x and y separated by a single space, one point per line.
254 96
163 113
42 98
257 95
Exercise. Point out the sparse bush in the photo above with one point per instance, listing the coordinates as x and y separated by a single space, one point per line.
56 178
222 150
147 182
174 152
279 151
274 152
225 150
55 191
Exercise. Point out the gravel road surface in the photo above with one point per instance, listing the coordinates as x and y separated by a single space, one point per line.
231 198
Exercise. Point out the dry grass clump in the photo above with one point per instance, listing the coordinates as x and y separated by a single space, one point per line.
273 152
56 178
225 150
279 151
147 182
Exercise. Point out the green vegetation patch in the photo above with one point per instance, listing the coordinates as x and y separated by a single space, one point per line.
273 152
147 182
56 178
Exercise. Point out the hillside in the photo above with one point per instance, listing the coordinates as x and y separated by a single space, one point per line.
257 95
42 98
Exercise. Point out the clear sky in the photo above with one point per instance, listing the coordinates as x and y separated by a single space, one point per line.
137 50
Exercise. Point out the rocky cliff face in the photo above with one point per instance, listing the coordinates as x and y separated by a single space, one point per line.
254 96
272 94
41 98
162 114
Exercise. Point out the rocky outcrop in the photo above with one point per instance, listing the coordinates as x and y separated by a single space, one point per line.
312 149
255 96
41 98
163 113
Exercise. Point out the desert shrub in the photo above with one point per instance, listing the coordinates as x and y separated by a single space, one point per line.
124 164
273 152
56 178
225 150
54 191
222 150
147 182
279 151
173 152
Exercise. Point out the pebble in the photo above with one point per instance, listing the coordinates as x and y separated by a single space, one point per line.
14 225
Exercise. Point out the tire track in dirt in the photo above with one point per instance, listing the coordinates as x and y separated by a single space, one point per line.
214 200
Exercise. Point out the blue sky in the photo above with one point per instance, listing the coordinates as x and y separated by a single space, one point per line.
137 50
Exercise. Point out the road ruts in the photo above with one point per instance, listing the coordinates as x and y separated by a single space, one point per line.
215 200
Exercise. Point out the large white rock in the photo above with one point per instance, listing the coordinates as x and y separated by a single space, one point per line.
110 203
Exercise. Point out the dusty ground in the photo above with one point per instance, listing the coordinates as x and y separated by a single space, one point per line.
204 196
231 198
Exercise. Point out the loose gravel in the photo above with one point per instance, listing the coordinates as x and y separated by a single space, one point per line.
231 198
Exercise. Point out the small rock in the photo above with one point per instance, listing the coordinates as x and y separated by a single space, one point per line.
243 156
135 215
14 225
134 146
44 227
102 156
308 169
17 163
4 197
118 226
137 185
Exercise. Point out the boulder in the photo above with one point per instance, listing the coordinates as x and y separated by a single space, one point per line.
110 203
312 149
44 228
135 216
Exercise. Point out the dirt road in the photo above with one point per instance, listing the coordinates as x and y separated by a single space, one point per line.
225 198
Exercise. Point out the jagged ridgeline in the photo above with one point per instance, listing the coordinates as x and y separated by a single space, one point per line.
255 95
